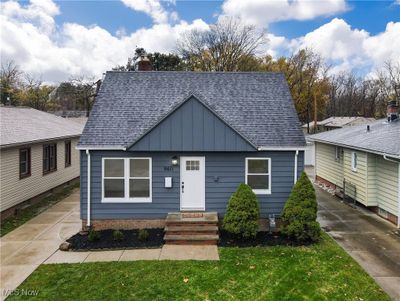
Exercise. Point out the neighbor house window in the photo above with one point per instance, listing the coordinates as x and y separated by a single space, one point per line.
337 153
258 175
354 161
126 179
24 162
49 158
67 153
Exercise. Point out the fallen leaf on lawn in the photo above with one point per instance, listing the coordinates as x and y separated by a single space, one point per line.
186 280
252 267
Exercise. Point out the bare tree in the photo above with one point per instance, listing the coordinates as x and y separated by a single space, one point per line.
10 79
222 47
389 78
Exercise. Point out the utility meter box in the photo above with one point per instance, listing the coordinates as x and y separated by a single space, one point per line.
168 182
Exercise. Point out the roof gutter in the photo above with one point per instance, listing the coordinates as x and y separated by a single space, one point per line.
284 148
38 141
105 147
356 148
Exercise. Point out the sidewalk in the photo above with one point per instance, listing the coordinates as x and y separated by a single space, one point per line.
167 252
25 248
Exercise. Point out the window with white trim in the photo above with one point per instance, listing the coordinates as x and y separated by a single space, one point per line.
337 153
258 175
354 161
126 180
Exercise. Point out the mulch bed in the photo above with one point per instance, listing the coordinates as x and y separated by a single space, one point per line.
263 238
106 242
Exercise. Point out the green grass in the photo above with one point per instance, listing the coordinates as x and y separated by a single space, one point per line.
319 272
30 212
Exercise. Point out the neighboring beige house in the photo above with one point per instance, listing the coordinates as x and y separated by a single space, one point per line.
365 162
37 154
336 122
328 124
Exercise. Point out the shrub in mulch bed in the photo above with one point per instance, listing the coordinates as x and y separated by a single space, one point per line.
262 238
106 240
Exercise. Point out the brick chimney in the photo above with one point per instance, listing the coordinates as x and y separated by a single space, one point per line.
144 64
392 111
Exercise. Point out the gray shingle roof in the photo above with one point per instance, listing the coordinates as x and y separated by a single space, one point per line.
383 137
21 125
257 105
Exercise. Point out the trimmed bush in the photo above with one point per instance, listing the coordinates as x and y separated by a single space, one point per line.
299 218
93 235
242 213
143 235
118 235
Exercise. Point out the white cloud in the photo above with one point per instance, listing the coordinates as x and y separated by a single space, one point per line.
30 37
349 48
263 12
71 49
153 8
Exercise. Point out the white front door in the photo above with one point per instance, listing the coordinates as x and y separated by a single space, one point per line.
192 183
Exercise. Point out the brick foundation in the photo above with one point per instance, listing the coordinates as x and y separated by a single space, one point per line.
325 182
128 224
15 210
390 217
125 224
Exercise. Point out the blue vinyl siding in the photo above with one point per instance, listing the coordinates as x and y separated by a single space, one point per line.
224 172
192 127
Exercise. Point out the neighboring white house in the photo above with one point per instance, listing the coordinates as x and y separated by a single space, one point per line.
328 124
37 154
364 161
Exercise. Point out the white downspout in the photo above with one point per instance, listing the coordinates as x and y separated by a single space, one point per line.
88 188
295 166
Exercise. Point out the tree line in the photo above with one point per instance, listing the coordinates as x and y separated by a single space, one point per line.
232 46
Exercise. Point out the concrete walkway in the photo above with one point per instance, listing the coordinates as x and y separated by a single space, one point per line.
25 248
167 252
369 239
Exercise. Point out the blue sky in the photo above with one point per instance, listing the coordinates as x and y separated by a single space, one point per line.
114 15
59 39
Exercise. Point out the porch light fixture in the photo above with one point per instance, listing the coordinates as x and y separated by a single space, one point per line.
174 161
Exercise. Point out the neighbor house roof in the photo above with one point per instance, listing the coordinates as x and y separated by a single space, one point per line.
22 125
256 105
339 122
383 137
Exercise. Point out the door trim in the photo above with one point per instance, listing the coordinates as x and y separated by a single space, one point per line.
203 173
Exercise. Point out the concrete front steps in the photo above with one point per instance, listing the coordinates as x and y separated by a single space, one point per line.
191 228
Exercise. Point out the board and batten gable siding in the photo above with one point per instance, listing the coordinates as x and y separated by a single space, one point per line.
387 182
15 190
325 164
357 178
192 127
223 174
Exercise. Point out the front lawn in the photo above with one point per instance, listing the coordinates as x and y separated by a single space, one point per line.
318 272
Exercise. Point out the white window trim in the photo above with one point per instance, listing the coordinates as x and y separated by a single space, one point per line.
126 178
354 159
337 153
260 191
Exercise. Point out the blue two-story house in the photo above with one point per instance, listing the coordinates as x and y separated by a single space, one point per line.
162 142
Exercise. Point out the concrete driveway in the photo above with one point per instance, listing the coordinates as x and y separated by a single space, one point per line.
370 240
25 248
